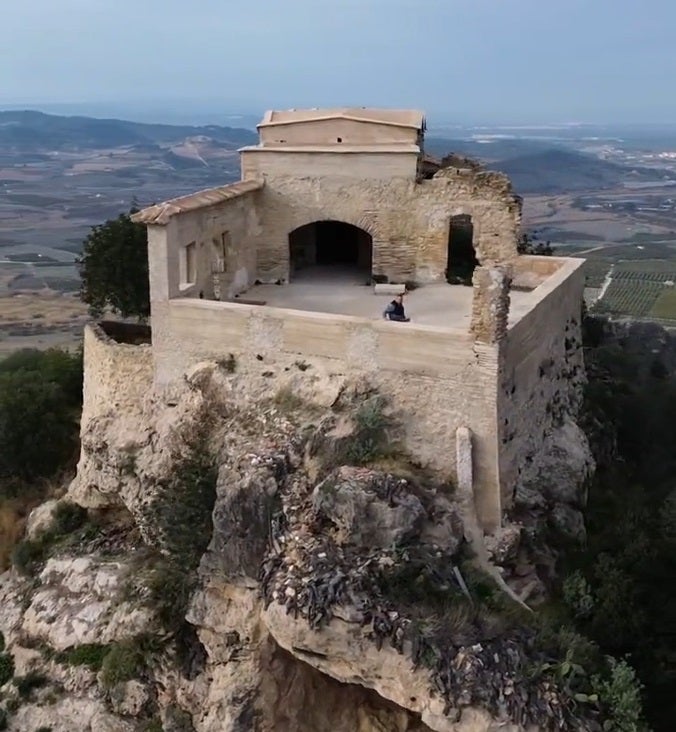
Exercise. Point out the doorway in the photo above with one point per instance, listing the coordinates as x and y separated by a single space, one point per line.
461 258
330 247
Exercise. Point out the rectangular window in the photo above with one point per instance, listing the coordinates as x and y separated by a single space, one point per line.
189 264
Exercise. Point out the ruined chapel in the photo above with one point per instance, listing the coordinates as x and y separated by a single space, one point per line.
287 263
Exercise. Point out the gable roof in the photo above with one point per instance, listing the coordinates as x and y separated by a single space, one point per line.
394 117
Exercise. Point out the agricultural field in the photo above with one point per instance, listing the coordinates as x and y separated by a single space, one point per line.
642 289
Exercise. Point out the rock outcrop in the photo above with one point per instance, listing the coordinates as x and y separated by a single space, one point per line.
281 565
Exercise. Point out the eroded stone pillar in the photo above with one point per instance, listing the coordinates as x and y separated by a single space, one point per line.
490 303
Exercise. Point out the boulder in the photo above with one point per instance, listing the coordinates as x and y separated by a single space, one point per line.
367 508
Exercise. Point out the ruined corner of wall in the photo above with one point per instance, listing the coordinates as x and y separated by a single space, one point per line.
490 302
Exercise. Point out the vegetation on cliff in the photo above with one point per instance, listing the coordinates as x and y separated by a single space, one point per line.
114 268
619 588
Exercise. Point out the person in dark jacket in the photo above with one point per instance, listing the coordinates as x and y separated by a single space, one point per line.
395 310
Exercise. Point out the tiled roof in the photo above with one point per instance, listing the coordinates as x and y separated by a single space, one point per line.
396 117
161 213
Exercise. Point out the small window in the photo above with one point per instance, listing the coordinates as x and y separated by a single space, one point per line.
189 264
339 139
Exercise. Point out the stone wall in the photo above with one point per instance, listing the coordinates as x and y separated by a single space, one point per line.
541 372
227 231
436 380
117 376
355 165
408 221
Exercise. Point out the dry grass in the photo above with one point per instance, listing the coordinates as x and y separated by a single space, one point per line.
14 513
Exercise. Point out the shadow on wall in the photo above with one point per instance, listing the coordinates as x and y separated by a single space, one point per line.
328 244
134 334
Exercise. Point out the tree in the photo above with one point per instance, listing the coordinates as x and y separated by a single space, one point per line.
114 268
529 244
40 401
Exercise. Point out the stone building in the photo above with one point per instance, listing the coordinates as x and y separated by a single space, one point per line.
281 265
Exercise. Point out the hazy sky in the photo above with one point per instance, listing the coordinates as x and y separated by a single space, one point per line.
464 60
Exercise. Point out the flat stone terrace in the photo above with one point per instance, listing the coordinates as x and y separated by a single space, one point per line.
345 293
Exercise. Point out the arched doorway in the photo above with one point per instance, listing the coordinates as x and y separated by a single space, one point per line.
330 247
461 258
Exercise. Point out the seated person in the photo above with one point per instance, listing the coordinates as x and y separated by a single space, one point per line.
395 310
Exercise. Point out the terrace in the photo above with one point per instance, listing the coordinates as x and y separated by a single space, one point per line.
344 292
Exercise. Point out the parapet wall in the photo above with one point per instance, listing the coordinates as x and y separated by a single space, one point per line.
438 380
117 376
541 370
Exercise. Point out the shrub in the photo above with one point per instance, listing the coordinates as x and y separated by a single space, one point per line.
228 364
6 668
4 719
286 400
28 554
577 594
91 655
2 642
154 725
40 398
621 697
68 517
123 662
369 440
25 685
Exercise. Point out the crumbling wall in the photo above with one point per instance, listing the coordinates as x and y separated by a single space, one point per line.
408 221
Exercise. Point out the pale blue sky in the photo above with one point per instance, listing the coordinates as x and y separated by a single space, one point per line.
466 60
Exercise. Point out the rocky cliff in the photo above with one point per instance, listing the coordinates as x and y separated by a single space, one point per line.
257 552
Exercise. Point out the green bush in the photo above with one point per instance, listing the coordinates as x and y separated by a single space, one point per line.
2 642
620 694
89 654
6 668
370 438
40 400
4 719
123 662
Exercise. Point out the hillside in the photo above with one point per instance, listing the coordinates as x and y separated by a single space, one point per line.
31 131
537 167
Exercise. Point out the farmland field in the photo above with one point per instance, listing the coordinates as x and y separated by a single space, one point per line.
665 306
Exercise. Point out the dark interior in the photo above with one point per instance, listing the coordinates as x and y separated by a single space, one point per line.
461 253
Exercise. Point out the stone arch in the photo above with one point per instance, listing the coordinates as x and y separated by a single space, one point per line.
337 247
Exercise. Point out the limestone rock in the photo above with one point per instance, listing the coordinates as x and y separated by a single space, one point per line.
130 698
69 714
40 518
78 601
369 510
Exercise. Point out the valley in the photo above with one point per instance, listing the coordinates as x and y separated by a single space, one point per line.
590 192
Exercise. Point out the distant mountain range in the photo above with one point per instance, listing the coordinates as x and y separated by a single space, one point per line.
535 166
34 131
